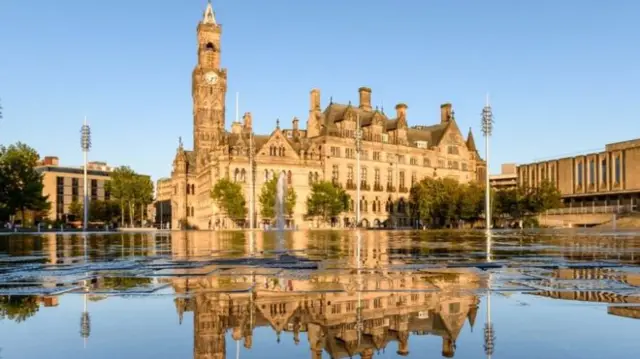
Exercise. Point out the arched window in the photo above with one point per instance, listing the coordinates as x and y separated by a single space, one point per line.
289 178
210 47
310 178
374 208
188 189
366 206
351 205
282 149
243 175
193 189
236 175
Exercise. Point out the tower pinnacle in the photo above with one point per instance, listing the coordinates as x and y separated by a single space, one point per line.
209 16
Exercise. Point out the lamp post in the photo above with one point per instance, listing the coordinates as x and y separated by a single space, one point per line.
487 128
85 141
358 137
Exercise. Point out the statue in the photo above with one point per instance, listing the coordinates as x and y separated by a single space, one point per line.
180 143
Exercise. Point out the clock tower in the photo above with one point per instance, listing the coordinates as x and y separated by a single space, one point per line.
209 87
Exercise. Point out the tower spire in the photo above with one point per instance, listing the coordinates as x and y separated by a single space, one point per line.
209 16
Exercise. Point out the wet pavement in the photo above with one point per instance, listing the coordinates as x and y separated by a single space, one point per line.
564 294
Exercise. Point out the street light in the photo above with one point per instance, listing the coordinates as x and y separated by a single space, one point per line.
85 142
487 128
358 137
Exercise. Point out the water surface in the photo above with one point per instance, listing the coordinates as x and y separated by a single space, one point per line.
320 295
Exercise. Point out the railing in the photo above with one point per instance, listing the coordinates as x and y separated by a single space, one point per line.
594 209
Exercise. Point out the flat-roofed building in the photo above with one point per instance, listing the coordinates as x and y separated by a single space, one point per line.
507 179
606 178
65 184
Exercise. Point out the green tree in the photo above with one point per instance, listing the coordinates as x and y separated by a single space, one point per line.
76 209
120 188
327 200
21 184
267 199
18 308
471 203
142 195
544 197
230 197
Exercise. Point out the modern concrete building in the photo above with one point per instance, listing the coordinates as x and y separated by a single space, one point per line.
507 179
394 155
607 178
65 184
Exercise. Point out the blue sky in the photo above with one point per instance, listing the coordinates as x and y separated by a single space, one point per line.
564 75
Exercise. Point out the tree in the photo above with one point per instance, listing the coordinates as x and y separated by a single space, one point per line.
119 186
268 196
230 197
20 183
471 203
18 308
76 209
327 200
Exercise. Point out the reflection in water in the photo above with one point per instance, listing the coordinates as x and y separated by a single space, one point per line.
370 307
370 288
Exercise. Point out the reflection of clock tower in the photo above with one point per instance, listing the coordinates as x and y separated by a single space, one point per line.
209 86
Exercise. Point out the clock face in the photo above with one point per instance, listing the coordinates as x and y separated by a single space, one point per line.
211 77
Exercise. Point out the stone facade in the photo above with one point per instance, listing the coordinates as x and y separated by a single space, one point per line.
394 155
603 178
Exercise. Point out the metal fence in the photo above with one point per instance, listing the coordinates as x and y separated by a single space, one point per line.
623 208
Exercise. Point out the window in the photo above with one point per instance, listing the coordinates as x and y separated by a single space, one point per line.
414 178
289 178
335 173
413 161
426 162
401 160
376 176
350 174
401 179
618 170
592 172
464 166
421 144
603 171
335 151
74 189
376 156
390 177
94 190
385 138
364 155
310 178
441 163
350 153
453 150
363 175
579 174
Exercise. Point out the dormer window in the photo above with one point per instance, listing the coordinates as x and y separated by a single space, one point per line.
421 144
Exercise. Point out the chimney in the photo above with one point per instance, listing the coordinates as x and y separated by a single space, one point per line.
315 100
445 112
401 110
246 118
365 98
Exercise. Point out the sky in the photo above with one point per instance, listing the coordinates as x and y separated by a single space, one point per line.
563 75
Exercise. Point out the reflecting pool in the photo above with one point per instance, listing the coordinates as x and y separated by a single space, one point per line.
333 294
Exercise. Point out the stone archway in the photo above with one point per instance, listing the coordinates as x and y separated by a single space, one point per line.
377 223
364 223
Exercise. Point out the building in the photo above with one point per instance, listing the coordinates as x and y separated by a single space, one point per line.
394 155
507 179
65 185
606 178
161 207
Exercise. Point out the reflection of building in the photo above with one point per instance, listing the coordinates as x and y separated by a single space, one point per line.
65 185
609 177
394 155
617 299
507 179
366 312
